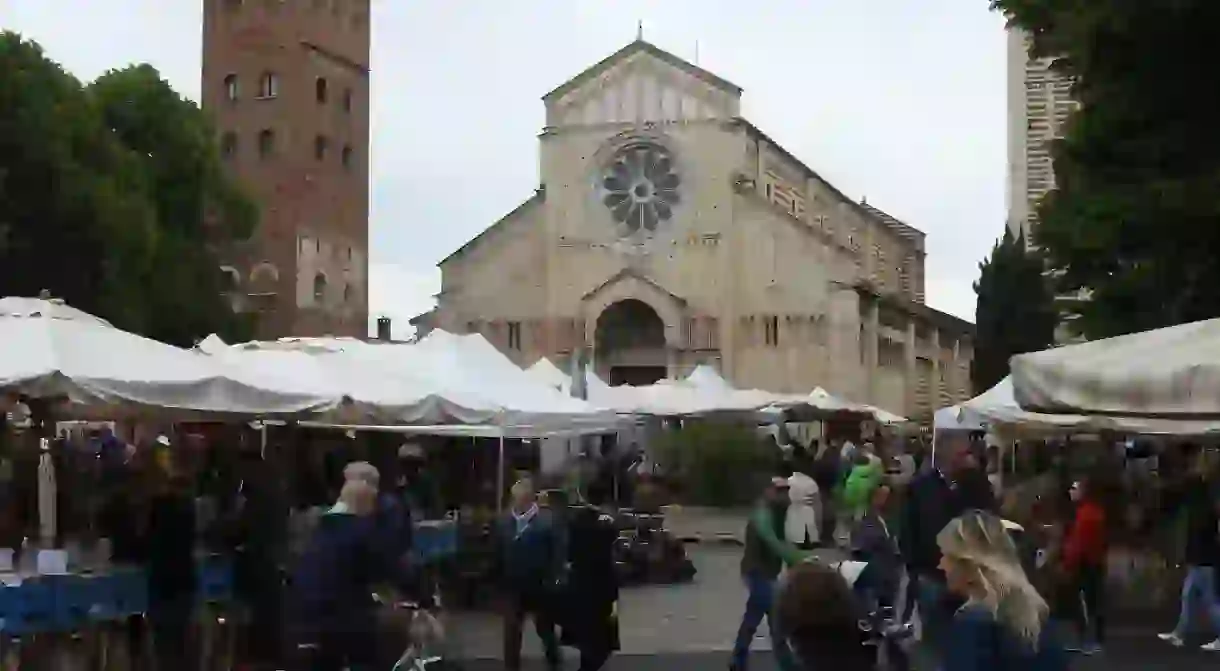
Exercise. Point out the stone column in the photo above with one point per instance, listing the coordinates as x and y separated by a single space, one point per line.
934 383
957 372
872 336
910 368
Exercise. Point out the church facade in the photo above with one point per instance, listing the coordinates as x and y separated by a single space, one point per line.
668 231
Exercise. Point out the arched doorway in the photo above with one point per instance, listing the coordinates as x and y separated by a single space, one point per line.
629 343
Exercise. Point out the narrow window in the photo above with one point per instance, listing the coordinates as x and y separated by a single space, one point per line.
231 88
268 85
347 156
320 90
228 145
347 100
320 146
266 143
319 288
514 336
771 330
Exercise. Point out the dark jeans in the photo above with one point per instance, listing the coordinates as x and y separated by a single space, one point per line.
261 640
170 619
518 605
760 604
1085 602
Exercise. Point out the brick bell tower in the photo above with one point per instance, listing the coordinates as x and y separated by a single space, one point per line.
286 83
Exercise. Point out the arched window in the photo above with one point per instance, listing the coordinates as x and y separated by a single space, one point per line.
320 90
232 91
319 288
228 144
320 146
347 293
266 143
347 156
268 85
264 277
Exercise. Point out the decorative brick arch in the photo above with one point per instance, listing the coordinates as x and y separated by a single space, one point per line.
626 285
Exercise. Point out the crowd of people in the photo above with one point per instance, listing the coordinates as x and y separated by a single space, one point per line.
945 559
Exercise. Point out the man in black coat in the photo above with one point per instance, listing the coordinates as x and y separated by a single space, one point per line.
951 485
591 622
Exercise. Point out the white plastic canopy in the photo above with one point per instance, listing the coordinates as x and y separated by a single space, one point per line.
50 349
1163 381
1166 373
443 380
998 406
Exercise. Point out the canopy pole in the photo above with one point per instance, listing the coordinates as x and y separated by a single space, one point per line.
500 476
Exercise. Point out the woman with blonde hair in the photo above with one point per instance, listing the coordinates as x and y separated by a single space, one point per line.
1003 624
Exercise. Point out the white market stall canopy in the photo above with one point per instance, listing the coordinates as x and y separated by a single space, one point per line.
1164 381
52 350
998 406
1170 373
703 392
445 379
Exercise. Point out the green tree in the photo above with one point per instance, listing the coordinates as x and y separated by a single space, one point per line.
112 198
71 203
1015 312
198 208
1134 222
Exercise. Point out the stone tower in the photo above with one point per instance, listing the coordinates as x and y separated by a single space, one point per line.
286 83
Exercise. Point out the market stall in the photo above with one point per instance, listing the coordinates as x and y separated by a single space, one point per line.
1164 381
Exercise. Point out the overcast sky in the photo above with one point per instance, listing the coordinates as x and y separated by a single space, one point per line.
899 101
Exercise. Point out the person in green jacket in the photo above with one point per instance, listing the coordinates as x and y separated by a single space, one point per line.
862 481
766 554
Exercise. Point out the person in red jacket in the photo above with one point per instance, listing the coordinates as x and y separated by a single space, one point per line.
1084 567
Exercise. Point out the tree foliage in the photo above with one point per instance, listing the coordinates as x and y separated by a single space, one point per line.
112 197
1135 217
1015 312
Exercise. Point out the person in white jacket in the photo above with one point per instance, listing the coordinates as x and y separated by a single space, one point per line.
801 524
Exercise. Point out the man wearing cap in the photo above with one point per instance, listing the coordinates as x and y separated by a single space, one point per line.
766 555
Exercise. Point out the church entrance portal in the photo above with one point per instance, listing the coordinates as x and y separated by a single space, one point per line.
629 344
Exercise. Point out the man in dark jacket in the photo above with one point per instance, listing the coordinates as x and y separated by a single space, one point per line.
260 543
532 555
1199 499
766 554
333 584
950 486
171 568
591 622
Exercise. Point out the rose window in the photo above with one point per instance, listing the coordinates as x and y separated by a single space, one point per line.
640 187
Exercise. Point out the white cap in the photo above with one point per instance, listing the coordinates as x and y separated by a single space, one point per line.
163 440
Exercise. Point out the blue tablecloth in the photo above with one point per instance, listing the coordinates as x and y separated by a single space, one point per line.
434 540
55 603
59 603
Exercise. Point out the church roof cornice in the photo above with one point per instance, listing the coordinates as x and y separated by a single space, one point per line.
900 228
633 48
538 197
930 315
